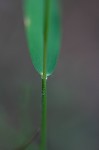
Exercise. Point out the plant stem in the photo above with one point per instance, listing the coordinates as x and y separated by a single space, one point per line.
44 116
44 78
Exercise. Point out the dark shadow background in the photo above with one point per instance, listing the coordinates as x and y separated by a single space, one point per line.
73 89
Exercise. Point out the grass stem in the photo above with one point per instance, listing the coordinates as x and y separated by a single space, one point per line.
44 78
44 116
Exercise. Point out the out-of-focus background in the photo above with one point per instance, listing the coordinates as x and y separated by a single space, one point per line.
73 89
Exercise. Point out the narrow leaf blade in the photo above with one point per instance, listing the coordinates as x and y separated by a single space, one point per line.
34 27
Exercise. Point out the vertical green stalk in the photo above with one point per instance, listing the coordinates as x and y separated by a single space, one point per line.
44 116
44 79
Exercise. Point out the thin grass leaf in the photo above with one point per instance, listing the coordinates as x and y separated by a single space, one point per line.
34 13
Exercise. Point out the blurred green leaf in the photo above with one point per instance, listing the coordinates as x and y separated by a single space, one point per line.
13 137
8 133
26 126
34 26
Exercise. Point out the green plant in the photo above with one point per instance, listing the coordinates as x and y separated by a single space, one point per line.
42 26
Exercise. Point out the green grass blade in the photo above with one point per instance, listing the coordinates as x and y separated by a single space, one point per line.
34 13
